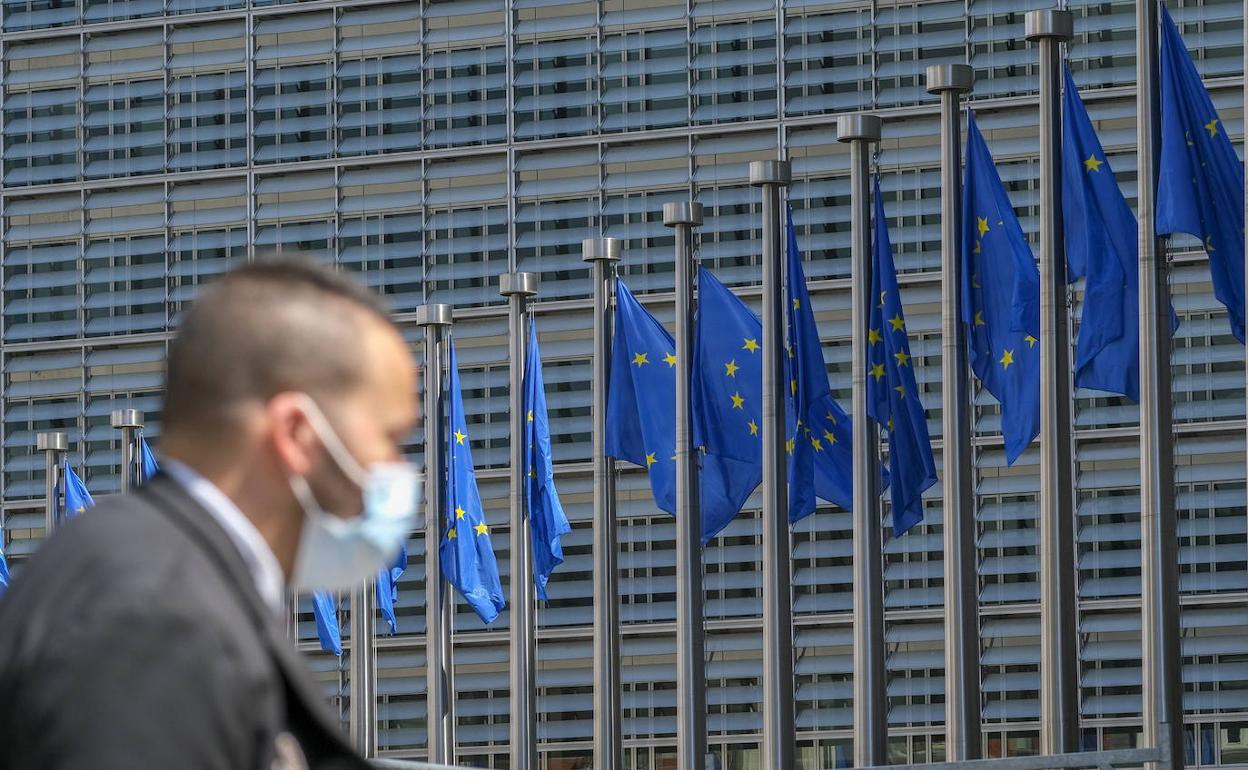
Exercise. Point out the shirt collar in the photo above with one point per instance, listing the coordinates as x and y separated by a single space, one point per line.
265 570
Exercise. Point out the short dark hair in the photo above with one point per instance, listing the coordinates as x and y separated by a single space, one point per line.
277 324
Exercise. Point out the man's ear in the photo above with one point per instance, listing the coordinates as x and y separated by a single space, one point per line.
290 434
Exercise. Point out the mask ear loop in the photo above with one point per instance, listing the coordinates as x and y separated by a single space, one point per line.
332 442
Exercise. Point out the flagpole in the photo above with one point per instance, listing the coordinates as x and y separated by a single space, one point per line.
779 737
963 711
690 644
363 689
603 254
1161 658
1059 645
870 696
518 288
435 319
54 445
129 422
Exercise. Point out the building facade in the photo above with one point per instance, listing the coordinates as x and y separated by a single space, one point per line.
431 146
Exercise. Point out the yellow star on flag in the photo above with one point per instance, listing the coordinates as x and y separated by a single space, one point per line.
750 345
737 401
1212 127
459 437
979 318
452 534
753 428
817 444
890 424
1093 163
1007 358
883 294
873 336
877 372
1209 243
979 249
902 390
650 459
1031 341
530 415
902 357
641 358
830 436
482 529
831 418
730 368
797 303
793 386
459 512
982 225
897 324
669 359
788 446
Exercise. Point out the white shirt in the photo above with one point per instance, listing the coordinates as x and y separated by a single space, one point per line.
265 570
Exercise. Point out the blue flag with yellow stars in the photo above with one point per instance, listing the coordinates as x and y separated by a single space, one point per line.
77 498
547 521
148 460
821 461
641 418
727 387
325 611
1201 188
1001 297
892 394
1102 245
467 555
388 588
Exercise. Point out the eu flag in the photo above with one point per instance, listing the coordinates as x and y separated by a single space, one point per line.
728 387
1001 297
325 611
4 573
1201 189
148 460
77 498
467 555
547 521
388 588
892 394
1102 246
641 418
821 458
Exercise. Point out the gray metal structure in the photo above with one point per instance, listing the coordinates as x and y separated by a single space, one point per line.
363 652
779 736
54 445
436 319
603 254
1161 654
130 423
870 696
963 709
518 288
1059 645
690 635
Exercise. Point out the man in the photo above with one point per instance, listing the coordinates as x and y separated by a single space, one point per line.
148 633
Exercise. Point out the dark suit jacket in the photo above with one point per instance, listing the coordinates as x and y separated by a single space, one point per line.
135 638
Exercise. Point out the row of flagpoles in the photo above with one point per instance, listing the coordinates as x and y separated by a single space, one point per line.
732 401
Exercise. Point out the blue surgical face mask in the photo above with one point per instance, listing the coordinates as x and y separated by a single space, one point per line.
336 553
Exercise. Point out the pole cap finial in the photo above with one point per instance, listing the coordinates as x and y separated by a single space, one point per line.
594 249
524 284
433 314
1050 23
126 418
52 441
763 172
682 213
959 78
859 127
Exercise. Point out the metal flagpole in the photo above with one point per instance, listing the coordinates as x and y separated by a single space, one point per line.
1059 646
870 704
130 423
363 691
603 254
963 715
1161 657
779 737
54 445
690 644
518 288
439 603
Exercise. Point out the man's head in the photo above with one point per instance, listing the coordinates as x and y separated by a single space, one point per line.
258 355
